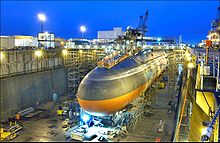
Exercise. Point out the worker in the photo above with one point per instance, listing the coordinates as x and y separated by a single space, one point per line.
60 111
71 106
60 108
17 118
55 96
70 114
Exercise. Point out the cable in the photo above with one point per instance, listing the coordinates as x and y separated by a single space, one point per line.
210 108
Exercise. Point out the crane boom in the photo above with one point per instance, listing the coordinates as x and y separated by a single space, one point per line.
143 23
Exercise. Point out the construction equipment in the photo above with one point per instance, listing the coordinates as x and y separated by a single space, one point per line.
26 111
60 112
161 85
10 133
142 24
134 34
32 114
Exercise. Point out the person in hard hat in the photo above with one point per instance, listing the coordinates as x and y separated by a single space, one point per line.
70 114
17 118
60 111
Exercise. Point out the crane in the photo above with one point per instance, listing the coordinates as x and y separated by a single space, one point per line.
132 34
143 23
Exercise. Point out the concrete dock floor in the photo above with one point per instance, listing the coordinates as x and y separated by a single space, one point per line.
146 127
44 127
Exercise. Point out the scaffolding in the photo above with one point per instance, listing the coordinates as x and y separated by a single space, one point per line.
79 62
194 109
176 62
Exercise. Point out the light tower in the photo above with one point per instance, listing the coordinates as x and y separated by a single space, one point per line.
82 29
42 18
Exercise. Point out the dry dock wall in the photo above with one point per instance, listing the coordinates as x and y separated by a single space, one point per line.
23 91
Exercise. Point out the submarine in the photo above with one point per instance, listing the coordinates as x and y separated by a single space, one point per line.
116 82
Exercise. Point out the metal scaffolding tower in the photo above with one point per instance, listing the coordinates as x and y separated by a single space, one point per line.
79 62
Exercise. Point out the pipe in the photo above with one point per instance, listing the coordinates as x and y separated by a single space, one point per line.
207 55
218 70
213 66
201 71
209 129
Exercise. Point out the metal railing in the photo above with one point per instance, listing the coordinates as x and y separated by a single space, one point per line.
212 69
108 63
26 61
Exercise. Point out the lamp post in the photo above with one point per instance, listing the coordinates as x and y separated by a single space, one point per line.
158 40
82 29
42 18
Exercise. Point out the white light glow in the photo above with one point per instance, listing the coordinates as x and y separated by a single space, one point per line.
187 54
2 56
80 51
158 39
38 53
82 28
204 131
190 65
41 17
64 52
188 58
85 118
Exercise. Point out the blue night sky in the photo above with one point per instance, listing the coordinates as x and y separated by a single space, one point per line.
192 19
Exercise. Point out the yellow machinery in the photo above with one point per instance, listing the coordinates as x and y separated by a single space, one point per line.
11 133
60 112
161 85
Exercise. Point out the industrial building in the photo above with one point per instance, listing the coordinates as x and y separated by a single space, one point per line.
214 33
26 42
110 34
11 42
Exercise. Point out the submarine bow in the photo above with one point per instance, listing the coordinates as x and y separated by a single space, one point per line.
104 91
